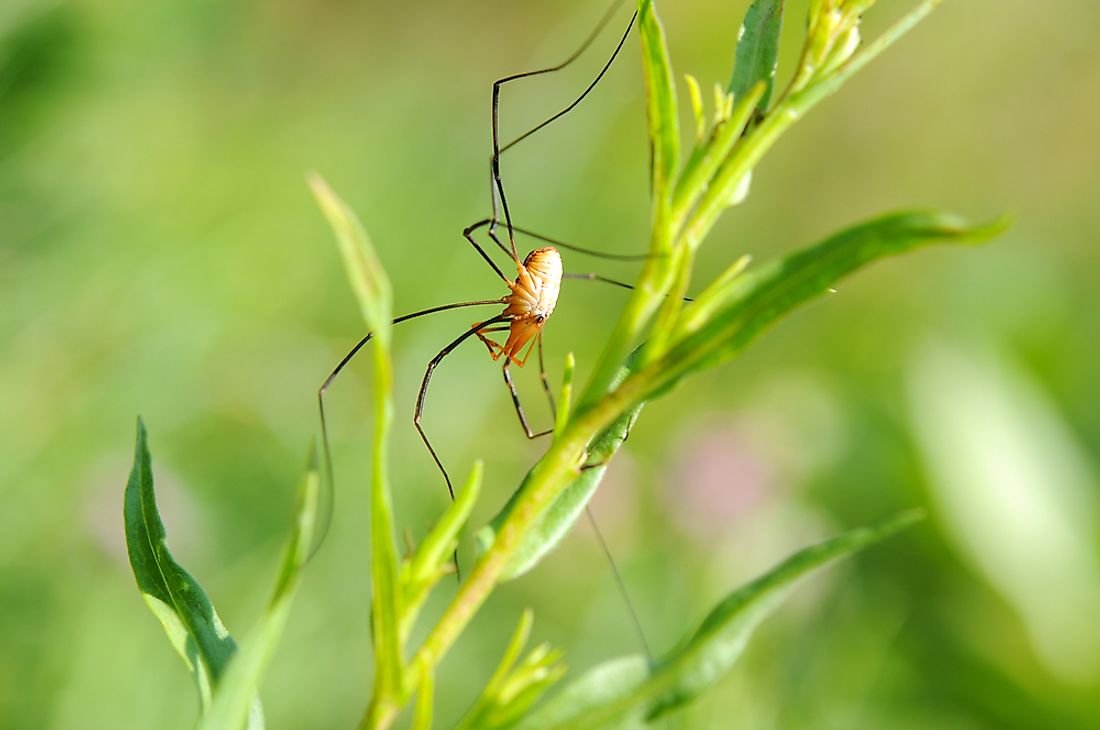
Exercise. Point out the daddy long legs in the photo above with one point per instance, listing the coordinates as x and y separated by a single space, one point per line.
532 293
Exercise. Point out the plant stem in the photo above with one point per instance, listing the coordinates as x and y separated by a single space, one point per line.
554 472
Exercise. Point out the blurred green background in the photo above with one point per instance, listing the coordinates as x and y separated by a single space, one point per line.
160 254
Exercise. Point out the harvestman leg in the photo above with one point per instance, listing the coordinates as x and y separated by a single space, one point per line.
496 186
325 520
493 349
553 242
419 412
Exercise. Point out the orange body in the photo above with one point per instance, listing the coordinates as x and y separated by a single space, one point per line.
534 294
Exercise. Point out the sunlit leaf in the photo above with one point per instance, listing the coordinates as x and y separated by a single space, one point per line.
758 50
234 698
661 108
631 691
556 522
175 598
758 298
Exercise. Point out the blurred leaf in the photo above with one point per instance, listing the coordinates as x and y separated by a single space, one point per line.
757 299
758 50
368 279
1015 492
630 692
236 694
425 700
175 598
664 123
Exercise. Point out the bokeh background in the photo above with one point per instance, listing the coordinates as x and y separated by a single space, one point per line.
160 254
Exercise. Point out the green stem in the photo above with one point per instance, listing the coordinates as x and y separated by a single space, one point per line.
546 482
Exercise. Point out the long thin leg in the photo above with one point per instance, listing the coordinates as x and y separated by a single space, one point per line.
519 406
556 242
596 277
419 412
605 280
494 163
637 622
467 232
326 518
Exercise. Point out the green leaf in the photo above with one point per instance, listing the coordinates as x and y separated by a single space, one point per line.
553 525
757 299
174 597
661 108
372 288
432 559
699 174
235 697
512 689
630 692
757 50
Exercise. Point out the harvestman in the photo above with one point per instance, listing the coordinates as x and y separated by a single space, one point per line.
534 291
532 294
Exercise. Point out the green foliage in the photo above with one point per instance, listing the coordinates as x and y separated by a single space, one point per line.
664 124
553 525
660 339
372 289
732 310
631 691
758 50
732 316
513 689
227 679
174 597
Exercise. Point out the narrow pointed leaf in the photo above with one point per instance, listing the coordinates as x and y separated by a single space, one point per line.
556 522
661 109
432 559
476 716
630 692
175 598
759 298
234 701
758 50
